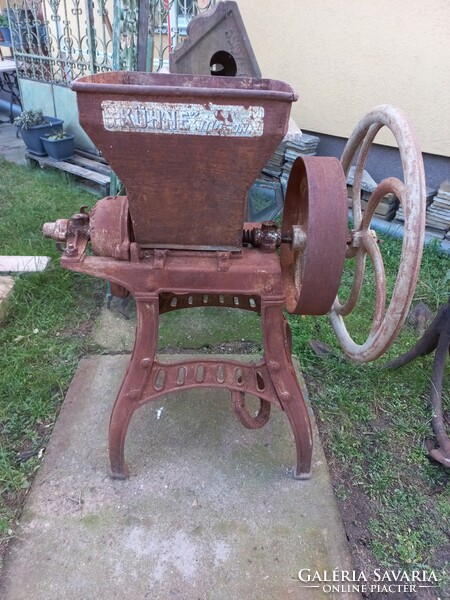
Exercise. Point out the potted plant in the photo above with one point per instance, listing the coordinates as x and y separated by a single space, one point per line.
33 125
4 28
58 145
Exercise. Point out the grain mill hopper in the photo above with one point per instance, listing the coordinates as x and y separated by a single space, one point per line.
187 148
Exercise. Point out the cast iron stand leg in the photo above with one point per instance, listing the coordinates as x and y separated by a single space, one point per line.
442 453
436 337
130 394
279 363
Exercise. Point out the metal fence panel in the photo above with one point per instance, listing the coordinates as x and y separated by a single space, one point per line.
56 41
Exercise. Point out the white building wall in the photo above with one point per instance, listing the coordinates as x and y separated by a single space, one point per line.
345 56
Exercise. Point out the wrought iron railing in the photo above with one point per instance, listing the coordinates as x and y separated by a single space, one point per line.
168 22
59 40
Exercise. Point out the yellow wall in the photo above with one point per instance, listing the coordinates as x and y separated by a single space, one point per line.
345 56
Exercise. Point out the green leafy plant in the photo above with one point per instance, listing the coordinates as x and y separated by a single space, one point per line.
30 118
4 21
57 135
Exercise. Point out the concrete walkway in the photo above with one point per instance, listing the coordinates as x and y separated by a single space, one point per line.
210 512
12 147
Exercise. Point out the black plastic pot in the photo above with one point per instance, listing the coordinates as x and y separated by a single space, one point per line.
32 136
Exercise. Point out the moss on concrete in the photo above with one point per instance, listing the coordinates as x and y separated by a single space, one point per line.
192 329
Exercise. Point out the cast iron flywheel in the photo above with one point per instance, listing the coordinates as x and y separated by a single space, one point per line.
315 222
387 320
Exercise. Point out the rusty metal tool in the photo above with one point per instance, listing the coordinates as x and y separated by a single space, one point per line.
187 148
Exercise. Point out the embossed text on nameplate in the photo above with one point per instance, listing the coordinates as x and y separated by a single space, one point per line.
183 119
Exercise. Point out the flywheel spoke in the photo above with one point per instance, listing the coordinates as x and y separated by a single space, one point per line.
411 193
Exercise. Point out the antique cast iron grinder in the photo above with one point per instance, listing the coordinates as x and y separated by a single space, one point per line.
187 148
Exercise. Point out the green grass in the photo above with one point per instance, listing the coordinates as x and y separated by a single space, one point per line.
374 423
46 328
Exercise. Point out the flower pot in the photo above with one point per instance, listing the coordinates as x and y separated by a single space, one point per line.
5 34
60 149
32 136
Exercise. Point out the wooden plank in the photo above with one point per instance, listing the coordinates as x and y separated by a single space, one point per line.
92 187
90 155
90 164
70 168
